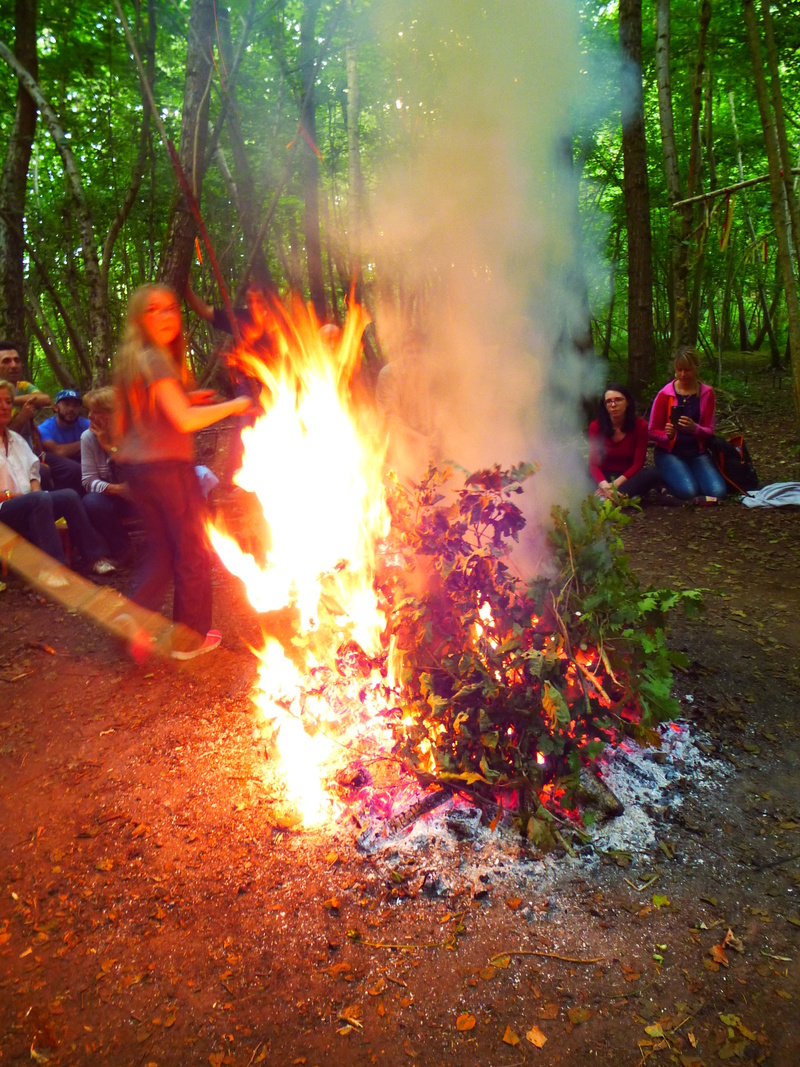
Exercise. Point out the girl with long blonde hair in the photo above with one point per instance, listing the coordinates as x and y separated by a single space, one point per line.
158 412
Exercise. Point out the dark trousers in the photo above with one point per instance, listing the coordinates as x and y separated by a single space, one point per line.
65 472
172 510
106 513
34 517
640 483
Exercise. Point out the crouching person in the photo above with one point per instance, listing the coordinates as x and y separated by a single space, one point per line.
25 508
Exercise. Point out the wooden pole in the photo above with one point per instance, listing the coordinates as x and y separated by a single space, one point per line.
103 605
728 189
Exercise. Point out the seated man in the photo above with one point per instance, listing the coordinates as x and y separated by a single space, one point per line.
61 440
27 398
31 512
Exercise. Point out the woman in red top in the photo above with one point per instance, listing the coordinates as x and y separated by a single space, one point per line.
618 447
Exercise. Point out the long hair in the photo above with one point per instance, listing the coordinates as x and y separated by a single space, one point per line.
129 379
7 387
603 416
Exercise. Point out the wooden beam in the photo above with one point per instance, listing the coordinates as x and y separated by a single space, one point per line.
103 605
727 189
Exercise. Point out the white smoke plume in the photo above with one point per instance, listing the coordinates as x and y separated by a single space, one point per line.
481 217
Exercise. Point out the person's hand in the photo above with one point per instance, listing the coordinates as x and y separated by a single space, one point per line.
686 423
670 430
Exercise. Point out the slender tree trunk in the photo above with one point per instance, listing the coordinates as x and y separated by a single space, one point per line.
612 292
780 128
178 251
13 183
99 325
355 179
762 292
309 159
670 152
744 333
641 340
685 328
243 189
777 197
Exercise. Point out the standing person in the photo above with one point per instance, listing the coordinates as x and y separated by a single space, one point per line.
61 439
681 422
618 441
108 499
157 416
33 513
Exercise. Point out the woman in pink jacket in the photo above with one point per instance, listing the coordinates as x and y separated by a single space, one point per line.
681 422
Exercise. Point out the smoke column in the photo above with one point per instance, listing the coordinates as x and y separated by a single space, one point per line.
481 214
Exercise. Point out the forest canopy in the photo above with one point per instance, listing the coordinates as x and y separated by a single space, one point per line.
300 125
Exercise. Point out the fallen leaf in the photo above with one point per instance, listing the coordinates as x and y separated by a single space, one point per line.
106 864
629 974
337 968
510 1038
331 858
660 902
717 955
731 1049
487 973
514 903
655 1030
378 988
578 1015
465 1022
731 941
351 1015
332 904
408 1049
783 994
503 962
549 1011
793 921
139 830
536 1037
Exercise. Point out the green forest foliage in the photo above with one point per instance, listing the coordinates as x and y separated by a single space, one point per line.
87 73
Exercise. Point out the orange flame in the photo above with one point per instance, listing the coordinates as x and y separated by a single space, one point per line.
314 460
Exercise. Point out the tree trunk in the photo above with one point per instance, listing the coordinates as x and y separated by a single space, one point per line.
13 183
178 250
243 190
612 292
641 340
669 149
780 128
685 328
355 178
762 292
99 325
777 198
309 158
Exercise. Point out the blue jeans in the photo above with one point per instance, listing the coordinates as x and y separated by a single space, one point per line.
171 507
688 478
106 513
34 514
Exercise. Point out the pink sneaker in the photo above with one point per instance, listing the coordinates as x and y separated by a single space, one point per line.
212 640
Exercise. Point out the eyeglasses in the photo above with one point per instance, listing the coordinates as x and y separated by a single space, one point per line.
612 400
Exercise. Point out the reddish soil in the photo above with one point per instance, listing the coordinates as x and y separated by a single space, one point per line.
151 913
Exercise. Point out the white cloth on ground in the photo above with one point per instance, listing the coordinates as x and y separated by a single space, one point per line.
776 495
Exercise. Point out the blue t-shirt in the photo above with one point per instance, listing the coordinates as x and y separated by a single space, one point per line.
51 431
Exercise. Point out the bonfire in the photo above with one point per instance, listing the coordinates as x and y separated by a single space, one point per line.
402 651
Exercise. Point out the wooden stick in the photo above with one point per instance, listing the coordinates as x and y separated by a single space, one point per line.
727 189
103 605
545 955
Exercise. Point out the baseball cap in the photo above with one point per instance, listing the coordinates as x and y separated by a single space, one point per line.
67 394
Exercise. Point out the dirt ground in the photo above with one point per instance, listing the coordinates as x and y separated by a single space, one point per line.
151 914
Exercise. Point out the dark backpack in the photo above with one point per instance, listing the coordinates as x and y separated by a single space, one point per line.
733 461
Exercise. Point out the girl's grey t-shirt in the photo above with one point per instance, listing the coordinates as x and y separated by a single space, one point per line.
150 436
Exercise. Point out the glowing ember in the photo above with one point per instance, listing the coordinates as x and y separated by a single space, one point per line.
314 460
